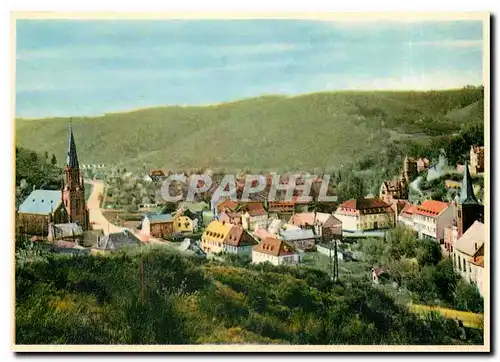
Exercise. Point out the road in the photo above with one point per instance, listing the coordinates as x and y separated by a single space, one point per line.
97 219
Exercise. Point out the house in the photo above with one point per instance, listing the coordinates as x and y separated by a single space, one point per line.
431 217
182 224
276 252
191 247
422 164
280 209
194 210
452 184
324 225
91 237
226 205
156 175
379 275
115 241
231 217
365 214
406 215
468 255
65 231
274 226
39 209
303 239
450 237
157 225
254 217
221 236
393 190
476 160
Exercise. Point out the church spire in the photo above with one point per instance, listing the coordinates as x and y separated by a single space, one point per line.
467 196
72 158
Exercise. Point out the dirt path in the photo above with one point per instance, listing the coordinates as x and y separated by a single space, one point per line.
97 219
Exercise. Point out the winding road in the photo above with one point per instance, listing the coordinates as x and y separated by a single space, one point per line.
97 219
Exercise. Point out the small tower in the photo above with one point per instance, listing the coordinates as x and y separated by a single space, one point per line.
73 189
468 208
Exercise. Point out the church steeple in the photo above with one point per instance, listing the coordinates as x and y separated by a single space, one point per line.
72 157
467 196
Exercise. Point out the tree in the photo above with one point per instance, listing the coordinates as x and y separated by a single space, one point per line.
53 160
467 297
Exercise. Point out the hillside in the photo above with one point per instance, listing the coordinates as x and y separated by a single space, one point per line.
62 299
307 132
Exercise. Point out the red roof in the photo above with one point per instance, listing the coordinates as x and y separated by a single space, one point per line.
409 209
361 204
431 208
255 208
228 203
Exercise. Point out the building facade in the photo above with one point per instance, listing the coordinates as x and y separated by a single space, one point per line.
157 226
365 214
223 237
468 255
276 252
431 218
324 225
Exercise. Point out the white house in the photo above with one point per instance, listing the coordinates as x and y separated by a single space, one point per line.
431 218
468 255
275 251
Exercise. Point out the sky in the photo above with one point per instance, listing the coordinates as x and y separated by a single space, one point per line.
90 67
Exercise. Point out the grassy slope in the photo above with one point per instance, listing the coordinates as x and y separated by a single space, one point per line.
318 130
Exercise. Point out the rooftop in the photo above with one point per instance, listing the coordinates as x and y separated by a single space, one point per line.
475 236
431 208
364 203
41 202
275 247
159 218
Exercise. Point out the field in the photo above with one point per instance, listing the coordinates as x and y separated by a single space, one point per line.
469 319
318 131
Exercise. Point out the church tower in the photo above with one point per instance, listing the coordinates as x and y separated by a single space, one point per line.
469 209
73 191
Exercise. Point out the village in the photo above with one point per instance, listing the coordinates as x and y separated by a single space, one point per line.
290 232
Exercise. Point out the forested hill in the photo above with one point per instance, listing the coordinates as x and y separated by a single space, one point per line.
307 132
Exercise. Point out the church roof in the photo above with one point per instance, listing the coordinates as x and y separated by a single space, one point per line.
41 202
467 196
72 157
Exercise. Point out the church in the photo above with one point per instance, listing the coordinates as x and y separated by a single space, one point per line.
44 207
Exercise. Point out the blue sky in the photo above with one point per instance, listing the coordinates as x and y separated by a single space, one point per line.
89 67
